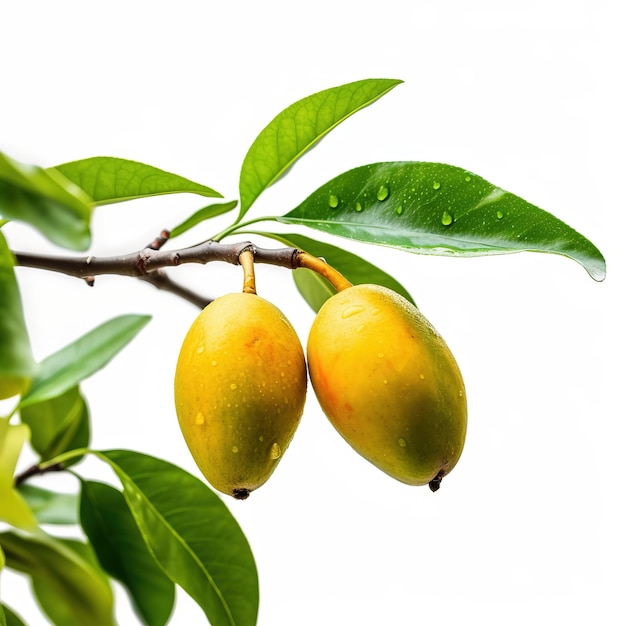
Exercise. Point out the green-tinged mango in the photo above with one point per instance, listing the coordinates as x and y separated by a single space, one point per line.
388 383
240 388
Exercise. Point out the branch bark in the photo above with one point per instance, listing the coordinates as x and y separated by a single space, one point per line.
148 263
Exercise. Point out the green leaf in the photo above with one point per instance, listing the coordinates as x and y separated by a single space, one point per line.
109 179
50 507
433 208
46 200
17 364
315 289
82 358
13 508
11 618
122 552
298 128
207 212
70 589
192 535
58 424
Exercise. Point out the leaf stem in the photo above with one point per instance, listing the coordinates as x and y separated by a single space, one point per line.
236 226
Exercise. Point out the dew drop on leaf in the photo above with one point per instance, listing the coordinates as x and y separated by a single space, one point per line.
446 218
382 193
499 215
358 207
436 185
399 210
333 201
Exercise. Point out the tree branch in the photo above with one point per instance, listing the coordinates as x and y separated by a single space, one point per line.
147 264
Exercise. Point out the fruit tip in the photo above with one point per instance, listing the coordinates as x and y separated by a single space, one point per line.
435 483
241 494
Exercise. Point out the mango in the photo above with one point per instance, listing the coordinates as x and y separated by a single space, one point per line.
388 383
239 388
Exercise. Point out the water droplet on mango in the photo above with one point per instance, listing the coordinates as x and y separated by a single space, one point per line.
352 310
275 451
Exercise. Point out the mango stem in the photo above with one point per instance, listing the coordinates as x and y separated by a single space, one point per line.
246 260
320 266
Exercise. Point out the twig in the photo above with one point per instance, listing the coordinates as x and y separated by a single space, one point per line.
147 264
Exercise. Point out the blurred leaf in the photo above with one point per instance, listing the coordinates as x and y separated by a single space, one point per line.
13 509
207 212
298 128
11 618
432 208
70 590
192 535
82 358
46 200
50 507
17 363
58 424
315 289
109 179
122 552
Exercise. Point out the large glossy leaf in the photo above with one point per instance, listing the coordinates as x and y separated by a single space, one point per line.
13 508
16 363
80 359
109 179
192 535
205 213
122 552
298 128
433 208
315 289
50 507
69 587
46 200
58 424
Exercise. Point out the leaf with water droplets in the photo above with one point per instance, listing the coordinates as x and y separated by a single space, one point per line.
298 128
446 210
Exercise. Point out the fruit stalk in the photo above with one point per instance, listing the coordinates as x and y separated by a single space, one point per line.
246 260
320 266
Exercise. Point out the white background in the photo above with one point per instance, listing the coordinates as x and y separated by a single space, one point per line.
529 528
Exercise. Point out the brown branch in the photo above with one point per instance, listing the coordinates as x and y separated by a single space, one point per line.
147 264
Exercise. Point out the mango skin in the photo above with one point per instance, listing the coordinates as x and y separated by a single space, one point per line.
239 388
388 383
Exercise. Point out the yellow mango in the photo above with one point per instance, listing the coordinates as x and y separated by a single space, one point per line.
240 387
388 383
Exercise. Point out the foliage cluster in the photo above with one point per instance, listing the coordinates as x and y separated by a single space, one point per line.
160 526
